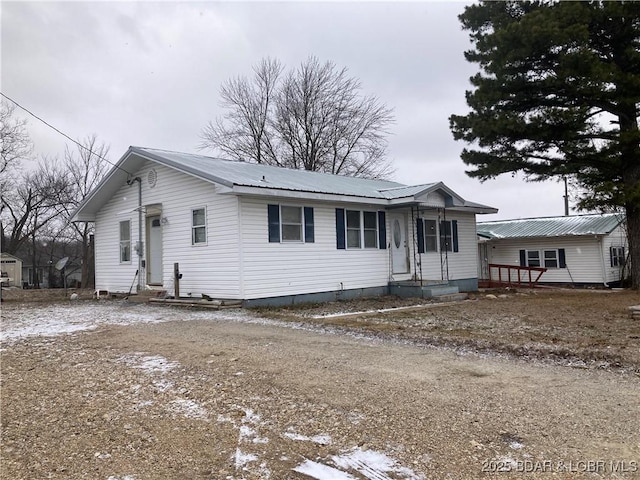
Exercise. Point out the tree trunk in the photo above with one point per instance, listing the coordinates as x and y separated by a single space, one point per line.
633 233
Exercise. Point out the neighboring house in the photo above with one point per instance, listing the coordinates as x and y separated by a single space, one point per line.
10 270
578 249
268 235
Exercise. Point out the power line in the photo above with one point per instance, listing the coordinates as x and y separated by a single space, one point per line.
64 134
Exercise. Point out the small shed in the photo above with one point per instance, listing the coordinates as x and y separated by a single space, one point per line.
589 249
10 270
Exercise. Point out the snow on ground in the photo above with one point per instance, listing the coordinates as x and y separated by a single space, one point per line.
63 318
23 322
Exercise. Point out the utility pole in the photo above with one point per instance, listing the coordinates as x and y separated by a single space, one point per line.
566 198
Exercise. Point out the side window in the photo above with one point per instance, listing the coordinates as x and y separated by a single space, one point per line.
353 229
617 256
125 241
449 235
290 224
533 258
430 236
198 226
370 221
551 259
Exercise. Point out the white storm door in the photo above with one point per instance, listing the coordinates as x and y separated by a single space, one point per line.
399 247
154 250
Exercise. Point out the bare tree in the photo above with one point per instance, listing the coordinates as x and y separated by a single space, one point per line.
39 197
312 118
15 144
244 133
86 168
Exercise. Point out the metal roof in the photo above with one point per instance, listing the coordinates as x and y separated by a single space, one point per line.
243 178
592 224
230 173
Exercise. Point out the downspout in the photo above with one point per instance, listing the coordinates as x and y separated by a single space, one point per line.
140 249
604 268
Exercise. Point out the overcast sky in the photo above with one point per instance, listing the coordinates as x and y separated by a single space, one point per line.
149 74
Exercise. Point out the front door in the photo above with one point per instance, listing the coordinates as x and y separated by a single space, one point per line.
154 250
399 247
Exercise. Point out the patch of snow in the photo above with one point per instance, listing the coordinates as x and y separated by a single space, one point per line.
162 385
320 471
126 477
516 445
367 463
188 408
241 459
150 363
319 439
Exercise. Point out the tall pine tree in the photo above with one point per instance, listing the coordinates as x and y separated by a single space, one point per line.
558 94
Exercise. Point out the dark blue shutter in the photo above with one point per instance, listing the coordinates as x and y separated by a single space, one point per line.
420 234
274 223
611 256
382 230
454 234
309 236
562 260
340 233
523 258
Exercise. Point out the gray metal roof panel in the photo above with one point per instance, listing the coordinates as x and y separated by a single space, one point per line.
228 172
592 224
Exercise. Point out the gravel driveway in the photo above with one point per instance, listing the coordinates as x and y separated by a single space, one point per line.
141 392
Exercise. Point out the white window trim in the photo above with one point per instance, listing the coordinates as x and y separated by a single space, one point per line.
122 242
193 227
540 258
282 223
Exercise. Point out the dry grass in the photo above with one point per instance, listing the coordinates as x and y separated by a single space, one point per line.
577 327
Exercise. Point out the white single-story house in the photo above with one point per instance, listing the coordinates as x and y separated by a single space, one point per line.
577 249
10 270
268 235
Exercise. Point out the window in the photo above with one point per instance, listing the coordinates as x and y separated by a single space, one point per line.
551 258
353 229
545 258
449 235
370 222
198 226
125 241
290 224
360 229
430 236
533 258
617 256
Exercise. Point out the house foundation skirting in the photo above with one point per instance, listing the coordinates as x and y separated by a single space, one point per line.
319 297
401 289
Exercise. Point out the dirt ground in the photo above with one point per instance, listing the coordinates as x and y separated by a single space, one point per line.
533 385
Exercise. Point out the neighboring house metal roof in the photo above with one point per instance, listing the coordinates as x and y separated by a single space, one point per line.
245 178
574 225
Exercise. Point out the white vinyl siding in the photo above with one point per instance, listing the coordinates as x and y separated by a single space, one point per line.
461 264
214 270
279 269
582 257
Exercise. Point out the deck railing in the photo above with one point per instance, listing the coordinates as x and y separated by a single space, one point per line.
514 275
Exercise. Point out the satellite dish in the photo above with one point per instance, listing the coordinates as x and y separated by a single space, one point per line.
61 263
